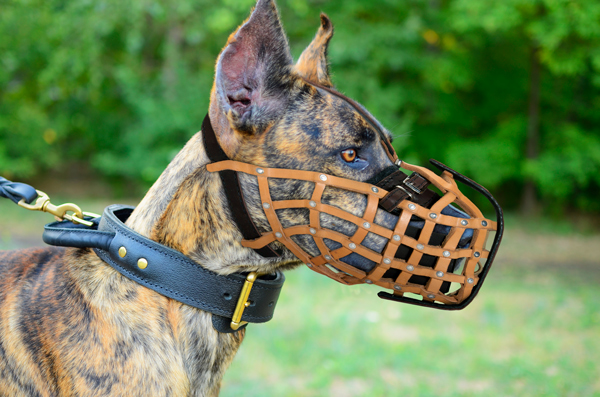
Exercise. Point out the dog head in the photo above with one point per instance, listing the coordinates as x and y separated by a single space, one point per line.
319 180
273 113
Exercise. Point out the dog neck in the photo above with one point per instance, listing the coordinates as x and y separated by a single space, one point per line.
186 210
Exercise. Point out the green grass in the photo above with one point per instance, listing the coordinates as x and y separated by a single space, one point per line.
532 333
533 330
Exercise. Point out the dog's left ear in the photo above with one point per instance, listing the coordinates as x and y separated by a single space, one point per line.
313 65
252 71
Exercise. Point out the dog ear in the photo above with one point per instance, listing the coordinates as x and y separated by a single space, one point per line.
312 64
252 71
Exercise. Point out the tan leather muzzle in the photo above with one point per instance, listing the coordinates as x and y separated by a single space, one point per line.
420 265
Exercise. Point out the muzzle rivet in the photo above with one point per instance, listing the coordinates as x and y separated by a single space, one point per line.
387 261
352 246
433 215
477 254
309 264
312 231
396 237
367 225
420 246
446 254
410 268
369 281
122 252
312 203
375 190
412 207
323 177
397 287
266 205
327 257
464 222
484 223
440 274
470 280
278 235
431 296
260 171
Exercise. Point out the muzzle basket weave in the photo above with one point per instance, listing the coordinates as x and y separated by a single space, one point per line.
391 271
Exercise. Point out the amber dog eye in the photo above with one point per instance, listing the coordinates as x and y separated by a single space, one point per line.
348 155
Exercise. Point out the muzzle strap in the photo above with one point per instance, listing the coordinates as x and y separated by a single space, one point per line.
403 187
233 190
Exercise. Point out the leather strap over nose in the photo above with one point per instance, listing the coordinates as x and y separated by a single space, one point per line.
404 187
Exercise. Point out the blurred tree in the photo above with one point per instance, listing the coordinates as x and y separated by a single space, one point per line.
505 92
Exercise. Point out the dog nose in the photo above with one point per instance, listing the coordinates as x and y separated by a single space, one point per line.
415 226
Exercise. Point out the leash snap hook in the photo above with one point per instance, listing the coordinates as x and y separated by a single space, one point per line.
243 302
42 203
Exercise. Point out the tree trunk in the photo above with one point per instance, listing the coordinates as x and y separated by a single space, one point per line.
529 204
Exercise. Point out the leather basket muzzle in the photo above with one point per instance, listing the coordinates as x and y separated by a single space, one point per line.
434 256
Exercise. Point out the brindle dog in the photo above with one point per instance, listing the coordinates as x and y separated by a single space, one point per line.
70 325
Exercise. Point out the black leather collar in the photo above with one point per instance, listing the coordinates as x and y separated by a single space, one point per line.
168 272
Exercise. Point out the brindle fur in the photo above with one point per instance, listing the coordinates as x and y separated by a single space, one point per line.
72 326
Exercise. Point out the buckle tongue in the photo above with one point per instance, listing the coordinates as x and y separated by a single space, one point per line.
243 302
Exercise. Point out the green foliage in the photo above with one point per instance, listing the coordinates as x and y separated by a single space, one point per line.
122 85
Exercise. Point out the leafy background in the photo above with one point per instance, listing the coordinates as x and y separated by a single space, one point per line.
506 92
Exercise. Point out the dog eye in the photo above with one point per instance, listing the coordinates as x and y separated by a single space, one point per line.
348 155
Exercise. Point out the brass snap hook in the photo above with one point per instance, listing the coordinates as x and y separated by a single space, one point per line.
68 211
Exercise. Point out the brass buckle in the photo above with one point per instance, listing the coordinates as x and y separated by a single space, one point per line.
42 203
243 302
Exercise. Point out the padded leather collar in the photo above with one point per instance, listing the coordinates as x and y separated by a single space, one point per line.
168 272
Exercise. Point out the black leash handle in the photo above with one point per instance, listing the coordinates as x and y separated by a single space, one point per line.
17 191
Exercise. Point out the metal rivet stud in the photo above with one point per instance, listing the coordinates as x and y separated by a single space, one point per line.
278 235
396 237
397 287
142 263
323 177
369 281
312 231
476 254
470 280
352 246
433 215
367 225
420 246
122 252
266 205
440 274
309 264
260 170
327 258
410 268
484 223
464 222
312 203
387 261
375 190
412 207
431 296
446 254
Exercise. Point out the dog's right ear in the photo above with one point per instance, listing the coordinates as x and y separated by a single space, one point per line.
252 71
312 64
